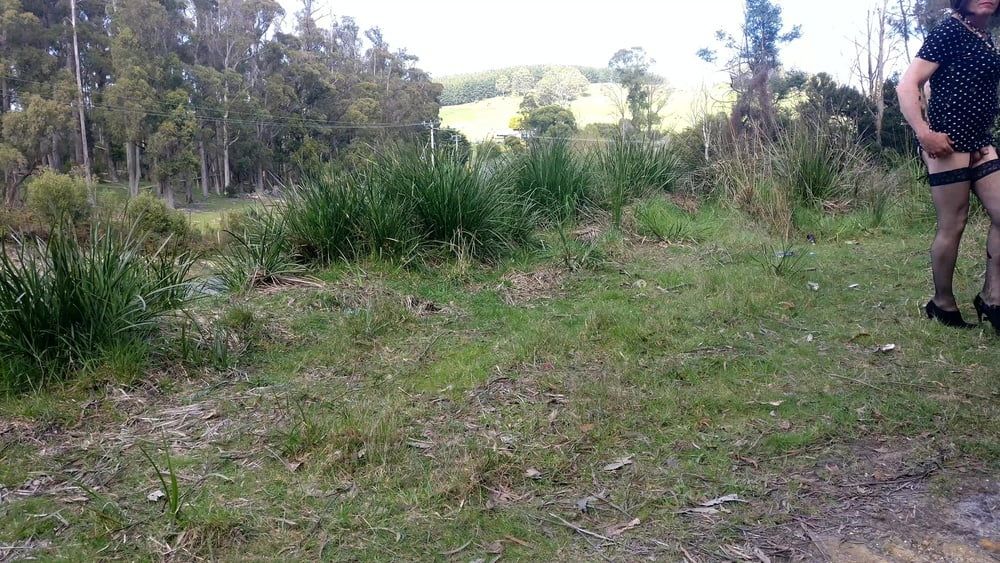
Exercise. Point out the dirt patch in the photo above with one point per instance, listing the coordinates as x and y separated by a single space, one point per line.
687 202
521 288
889 503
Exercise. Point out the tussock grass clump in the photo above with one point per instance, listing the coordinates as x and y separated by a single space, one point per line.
65 303
666 222
260 253
632 169
386 221
468 207
320 216
553 178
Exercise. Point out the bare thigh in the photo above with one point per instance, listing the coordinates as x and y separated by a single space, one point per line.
955 161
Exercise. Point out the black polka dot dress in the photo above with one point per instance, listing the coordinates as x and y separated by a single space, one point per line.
963 100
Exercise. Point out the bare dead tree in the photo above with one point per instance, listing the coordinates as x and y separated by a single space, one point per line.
876 50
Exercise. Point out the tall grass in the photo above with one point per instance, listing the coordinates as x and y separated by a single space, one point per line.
553 178
320 216
260 252
811 169
65 303
467 207
385 221
632 169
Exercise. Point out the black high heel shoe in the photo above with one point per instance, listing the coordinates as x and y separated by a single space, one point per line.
990 312
950 318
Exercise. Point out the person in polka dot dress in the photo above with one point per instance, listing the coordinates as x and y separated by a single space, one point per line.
962 65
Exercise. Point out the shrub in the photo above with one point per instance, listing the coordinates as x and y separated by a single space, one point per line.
65 303
553 179
54 197
260 253
151 215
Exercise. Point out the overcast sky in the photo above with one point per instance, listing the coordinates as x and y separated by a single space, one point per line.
454 36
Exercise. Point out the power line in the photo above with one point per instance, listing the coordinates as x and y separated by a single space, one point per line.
254 119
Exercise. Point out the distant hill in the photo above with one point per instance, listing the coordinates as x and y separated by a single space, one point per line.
490 117
476 86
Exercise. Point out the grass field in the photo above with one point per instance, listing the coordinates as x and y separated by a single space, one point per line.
526 411
487 118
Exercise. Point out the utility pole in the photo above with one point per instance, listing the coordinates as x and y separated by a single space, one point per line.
79 103
431 125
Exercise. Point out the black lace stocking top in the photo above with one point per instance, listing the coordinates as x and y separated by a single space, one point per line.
963 100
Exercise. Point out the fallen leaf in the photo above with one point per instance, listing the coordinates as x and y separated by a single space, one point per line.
553 415
457 549
785 425
809 338
619 529
618 464
860 335
420 445
585 428
761 556
533 473
519 542
886 348
293 466
495 548
699 510
990 545
723 500
854 286
787 305
156 496
813 286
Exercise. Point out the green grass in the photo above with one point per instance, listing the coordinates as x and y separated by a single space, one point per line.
365 424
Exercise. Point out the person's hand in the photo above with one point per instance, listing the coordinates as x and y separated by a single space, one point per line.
936 145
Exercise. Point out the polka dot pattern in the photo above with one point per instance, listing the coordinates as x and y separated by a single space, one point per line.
963 100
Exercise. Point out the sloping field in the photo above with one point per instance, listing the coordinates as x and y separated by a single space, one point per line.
488 118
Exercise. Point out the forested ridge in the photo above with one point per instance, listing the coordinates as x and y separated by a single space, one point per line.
195 94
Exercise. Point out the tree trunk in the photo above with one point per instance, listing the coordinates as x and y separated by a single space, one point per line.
204 168
225 157
129 166
134 165
4 96
879 119
77 147
54 161
166 192
218 175
188 186
260 178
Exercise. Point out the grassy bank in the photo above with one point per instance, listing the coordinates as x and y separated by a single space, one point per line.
530 411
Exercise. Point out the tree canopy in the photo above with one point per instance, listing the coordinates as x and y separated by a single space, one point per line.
216 93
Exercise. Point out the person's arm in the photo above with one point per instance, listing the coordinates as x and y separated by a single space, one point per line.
910 85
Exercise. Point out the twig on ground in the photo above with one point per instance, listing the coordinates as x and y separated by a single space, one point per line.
580 530
457 550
